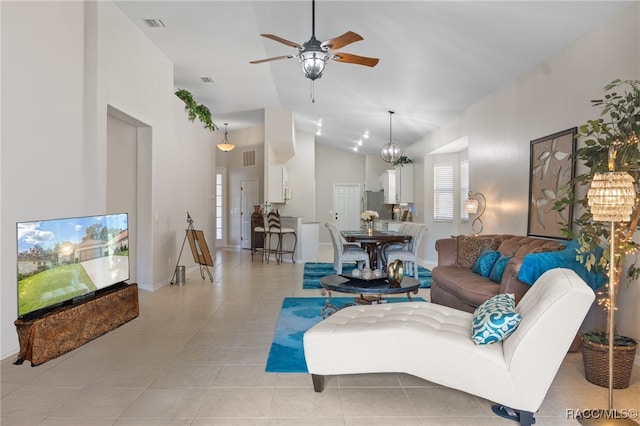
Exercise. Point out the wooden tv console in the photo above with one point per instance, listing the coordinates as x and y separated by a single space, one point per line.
68 327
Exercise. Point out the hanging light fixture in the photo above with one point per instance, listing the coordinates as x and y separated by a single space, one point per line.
390 152
225 145
313 59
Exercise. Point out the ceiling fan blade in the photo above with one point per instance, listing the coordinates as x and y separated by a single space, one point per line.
342 40
355 59
281 40
276 58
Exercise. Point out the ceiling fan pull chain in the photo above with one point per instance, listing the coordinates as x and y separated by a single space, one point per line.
313 95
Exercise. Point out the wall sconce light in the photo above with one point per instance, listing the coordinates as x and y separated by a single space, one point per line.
225 145
471 206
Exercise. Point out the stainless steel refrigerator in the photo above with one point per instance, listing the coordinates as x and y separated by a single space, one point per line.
374 200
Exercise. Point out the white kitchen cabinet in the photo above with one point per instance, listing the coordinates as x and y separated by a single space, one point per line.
404 183
278 184
388 184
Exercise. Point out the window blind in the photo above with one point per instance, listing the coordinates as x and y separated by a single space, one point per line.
464 188
443 192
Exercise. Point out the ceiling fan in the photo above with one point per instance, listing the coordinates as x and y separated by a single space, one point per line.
313 54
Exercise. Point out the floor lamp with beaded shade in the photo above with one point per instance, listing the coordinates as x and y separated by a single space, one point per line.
611 198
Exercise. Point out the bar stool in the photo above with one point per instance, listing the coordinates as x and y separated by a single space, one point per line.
274 227
257 234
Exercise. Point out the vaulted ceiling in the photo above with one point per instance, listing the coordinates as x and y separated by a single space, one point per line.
436 58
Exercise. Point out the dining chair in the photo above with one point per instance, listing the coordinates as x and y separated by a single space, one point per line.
409 254
345 252
274 227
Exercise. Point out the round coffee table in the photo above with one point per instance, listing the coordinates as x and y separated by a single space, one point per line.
377 287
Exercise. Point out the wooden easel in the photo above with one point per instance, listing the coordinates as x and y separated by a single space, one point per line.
199 249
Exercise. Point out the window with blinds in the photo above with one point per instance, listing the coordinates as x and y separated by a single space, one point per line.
443 192
464 188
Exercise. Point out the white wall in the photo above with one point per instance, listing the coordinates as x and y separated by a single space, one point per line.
63 64
301 173
553 96
42 177
334 166
137 79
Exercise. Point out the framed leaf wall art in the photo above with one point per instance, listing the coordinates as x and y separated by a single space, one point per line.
551 169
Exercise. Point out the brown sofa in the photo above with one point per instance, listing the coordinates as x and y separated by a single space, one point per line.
456 285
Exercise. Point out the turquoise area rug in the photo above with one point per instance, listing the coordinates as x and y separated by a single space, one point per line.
299 314
313 271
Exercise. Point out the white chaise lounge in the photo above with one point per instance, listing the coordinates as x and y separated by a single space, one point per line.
434 342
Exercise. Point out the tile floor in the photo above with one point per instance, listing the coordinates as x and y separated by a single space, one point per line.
196 356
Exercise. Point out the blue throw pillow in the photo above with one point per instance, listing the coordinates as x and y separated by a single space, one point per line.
484 262
498 268
535 264
495 320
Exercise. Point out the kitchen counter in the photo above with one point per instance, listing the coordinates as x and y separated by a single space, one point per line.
308 238
388 225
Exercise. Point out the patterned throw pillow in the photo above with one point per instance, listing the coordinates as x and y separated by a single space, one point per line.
498 269
469 248
484 263
495 320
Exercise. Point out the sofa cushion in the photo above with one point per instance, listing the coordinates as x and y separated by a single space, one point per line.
498 268
469 248
495 319
547 249
484 262
511 246
472 288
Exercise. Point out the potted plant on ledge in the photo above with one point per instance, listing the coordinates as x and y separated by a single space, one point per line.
611 143
194 109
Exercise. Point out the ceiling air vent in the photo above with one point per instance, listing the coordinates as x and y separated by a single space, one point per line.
206 79
154 23
249 158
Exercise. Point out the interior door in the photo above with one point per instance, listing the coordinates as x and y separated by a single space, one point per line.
249 194
346 206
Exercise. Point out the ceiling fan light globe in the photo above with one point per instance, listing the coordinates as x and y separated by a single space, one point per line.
313 63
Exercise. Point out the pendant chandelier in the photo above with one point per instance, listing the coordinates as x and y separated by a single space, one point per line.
225 145
390 153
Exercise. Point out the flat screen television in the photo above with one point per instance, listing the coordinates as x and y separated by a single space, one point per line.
65 260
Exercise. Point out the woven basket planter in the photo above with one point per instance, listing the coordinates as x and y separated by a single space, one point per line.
596 364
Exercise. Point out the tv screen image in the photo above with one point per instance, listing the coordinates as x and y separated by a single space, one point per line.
60 260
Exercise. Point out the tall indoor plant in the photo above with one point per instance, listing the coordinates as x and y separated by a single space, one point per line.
610 142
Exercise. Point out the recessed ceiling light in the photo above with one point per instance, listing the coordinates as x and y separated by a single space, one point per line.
154 23
366 135
360 142
319 132
355 148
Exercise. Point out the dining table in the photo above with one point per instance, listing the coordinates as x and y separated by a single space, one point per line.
375 242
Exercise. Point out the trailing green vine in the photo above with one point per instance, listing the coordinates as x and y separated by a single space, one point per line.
194 110
402 160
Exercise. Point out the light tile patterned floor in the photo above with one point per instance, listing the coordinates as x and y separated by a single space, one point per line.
196 356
